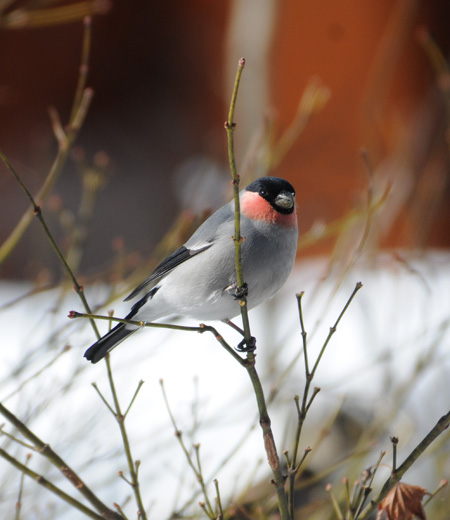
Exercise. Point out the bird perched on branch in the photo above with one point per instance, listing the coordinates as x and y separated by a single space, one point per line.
199 279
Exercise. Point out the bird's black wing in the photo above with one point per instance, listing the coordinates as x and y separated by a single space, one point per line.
178 257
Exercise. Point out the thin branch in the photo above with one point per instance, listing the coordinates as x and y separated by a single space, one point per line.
49 16
366 487
338 226
197 469
394 441
219 513
269 441
103 398
133 398
303 331
54 489
441 68
46 451
80 109
202 328
307 400
41 370
358 286
84 69
116 505
38 213
395 477
313 99
19 498
230 126
335 503
249 363
18 441
442 484
120 417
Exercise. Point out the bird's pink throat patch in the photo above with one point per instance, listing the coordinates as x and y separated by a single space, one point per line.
254 207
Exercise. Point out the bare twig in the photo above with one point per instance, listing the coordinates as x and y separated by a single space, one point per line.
79 111
200 329
307 399
195 466
133 398
20 386
365 488
46 451
230 126
264 419
49 16
132 464
81 103
358 286
335 503
219 510
38 213
442 484
19 498
397 475
59 492
313 99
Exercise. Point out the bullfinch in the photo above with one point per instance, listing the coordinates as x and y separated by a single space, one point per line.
198 280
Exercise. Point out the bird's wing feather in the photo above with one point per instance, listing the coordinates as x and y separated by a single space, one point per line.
200 241
166 266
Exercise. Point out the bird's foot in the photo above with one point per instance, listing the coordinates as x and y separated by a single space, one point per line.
237 292
240 292
247 346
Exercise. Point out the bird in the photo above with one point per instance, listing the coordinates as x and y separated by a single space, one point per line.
199 279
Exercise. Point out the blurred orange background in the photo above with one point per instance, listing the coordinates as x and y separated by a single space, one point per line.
163 72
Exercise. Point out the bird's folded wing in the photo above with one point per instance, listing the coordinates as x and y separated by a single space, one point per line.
166 266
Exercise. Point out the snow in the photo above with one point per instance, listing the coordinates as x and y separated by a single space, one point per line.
389 358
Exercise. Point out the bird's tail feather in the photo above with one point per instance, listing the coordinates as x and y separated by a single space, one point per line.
98 350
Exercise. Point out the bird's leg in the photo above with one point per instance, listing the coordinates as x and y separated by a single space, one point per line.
243 346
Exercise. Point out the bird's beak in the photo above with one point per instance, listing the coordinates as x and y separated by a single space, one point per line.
285 199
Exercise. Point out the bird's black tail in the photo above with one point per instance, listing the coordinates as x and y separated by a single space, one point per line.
98 350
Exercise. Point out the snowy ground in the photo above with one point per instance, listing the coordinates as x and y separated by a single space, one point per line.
395 332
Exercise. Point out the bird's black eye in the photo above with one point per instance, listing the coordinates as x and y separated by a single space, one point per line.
262 192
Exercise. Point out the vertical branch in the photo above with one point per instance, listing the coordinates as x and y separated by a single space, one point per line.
195 466
19 498
264 420
230 126
305 403
269 442
84 68
132 465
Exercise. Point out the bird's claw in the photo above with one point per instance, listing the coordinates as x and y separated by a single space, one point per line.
237 292
240 292
247 346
